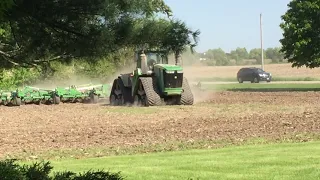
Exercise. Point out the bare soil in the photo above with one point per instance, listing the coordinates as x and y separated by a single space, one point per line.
232 116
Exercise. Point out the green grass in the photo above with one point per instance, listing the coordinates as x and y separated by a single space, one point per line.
234 79
262 87
272 161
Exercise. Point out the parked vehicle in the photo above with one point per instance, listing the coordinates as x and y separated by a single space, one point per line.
253 74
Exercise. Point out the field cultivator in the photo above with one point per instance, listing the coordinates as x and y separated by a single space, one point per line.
5 97
84 93
33 95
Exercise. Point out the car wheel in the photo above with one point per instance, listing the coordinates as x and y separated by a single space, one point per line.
255 80
240 80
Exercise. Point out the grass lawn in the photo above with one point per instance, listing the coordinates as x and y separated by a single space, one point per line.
262 87
273 161
234 79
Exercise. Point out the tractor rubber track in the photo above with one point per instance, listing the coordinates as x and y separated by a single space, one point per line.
150 89
186 96
126 92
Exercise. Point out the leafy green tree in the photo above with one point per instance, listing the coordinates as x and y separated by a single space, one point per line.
219 56
5 6
256 54
234 55
242 53
40 31
239 54
301 26
274 54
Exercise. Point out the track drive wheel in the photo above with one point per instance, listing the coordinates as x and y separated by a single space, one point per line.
120 95
186 96
137 100
148 92
113 100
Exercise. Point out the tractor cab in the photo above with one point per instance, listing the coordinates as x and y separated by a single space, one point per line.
147 59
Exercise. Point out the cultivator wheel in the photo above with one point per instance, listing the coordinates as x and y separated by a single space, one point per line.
186 96
94 98
17 101
147 94
39 102
56 99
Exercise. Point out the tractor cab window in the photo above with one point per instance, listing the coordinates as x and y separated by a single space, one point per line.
152 59
155 58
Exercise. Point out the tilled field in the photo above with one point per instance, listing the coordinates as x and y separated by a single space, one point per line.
225 116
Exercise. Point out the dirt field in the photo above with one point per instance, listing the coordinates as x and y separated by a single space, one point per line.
278 70
227 116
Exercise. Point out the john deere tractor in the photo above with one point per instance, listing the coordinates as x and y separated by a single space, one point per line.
154 82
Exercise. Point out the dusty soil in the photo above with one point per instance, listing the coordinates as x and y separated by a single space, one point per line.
231 116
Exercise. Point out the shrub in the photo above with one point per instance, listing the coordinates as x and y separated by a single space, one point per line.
10 170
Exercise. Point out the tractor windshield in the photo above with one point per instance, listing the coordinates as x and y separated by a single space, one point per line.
155 58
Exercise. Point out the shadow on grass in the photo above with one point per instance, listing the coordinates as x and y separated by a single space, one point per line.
273 89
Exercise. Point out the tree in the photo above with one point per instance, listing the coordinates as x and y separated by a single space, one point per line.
256 54
301 26
5 6
239 54
242 53
40 31
274 54
219 56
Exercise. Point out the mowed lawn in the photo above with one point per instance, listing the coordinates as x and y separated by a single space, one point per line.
273 161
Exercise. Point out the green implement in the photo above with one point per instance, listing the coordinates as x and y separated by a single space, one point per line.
33 95
5 97
82 93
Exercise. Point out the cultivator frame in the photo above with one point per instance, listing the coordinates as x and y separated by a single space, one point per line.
33 95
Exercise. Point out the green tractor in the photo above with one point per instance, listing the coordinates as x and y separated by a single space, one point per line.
153 83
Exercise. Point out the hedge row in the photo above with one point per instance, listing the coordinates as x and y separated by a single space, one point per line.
11 170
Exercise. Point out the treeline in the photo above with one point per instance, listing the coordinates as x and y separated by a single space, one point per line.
60 40
240 56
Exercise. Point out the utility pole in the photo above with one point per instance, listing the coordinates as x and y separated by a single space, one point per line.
261 40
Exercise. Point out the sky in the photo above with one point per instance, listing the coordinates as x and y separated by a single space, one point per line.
228 24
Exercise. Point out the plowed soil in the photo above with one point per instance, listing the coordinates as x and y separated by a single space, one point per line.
231 116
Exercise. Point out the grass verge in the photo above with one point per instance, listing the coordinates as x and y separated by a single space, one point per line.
265 87
234 79
271 161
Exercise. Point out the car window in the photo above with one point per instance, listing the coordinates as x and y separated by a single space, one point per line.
260 70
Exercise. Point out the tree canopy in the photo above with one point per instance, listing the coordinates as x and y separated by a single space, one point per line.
301 26
37 31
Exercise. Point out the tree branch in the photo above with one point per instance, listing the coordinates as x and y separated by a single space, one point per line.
52 59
